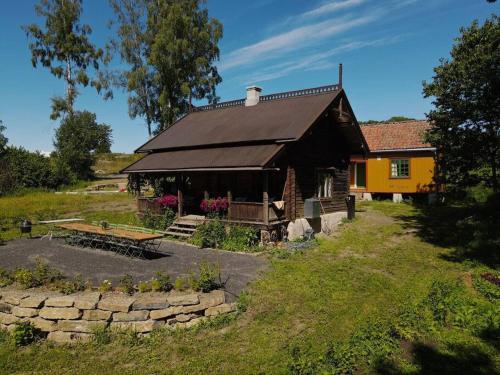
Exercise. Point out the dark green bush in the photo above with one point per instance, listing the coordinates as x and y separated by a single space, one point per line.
241 238
161 282
126 284
208 278
210 234
25 333
159 222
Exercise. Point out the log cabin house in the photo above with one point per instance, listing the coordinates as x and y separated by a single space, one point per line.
399 161
267 154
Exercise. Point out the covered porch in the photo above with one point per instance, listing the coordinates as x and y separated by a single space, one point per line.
256 197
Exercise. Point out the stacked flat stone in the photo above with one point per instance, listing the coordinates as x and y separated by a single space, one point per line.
69 318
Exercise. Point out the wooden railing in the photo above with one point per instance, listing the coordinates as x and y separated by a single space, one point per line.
253 211
148 205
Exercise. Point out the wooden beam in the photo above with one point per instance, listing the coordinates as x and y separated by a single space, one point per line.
180 195
265 197
229 200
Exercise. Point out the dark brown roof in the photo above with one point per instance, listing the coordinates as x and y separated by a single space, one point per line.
396 135
248 156
268 121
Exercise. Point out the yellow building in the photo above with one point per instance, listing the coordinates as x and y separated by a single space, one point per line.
399 161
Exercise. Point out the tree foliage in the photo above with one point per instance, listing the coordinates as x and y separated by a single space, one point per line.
170 47
78 139
466 119
3 138
63 47
391 119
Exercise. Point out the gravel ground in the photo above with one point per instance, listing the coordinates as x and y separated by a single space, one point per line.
177 259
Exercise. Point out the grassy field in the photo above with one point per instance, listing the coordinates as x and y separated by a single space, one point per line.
107 164
36 206
382 296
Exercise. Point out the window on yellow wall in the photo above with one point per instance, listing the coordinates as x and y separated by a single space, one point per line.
358 175
400 168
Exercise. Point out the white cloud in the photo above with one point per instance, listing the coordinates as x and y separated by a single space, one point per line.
295 39
330 7
318 61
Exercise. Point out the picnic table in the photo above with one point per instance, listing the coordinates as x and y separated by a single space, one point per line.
122 241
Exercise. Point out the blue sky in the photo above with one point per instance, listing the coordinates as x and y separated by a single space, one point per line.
387 47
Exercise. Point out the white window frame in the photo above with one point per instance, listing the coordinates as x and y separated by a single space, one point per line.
356 175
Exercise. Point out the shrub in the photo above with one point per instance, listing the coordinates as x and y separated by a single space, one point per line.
25 278
241 238
105 286
6 278
161 283
143 286
209 234
25 333
180 284
159 222
70 286
209 277
126 284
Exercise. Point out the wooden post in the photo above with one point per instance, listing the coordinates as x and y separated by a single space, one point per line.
206 196
229 200
180 196
265 197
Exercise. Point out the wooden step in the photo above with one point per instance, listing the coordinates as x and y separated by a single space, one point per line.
178 234
182 229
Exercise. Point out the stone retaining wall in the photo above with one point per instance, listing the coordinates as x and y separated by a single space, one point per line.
67 318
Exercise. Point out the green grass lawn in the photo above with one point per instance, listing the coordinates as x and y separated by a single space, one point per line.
36 206
365 300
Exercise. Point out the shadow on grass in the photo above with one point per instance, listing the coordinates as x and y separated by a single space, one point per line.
471 232
457 359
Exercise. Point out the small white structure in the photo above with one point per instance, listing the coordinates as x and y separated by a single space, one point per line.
397 198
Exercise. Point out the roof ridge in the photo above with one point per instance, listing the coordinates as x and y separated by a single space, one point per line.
270 97
392 122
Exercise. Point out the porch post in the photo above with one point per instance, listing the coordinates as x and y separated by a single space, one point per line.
229 200
180 195
265 197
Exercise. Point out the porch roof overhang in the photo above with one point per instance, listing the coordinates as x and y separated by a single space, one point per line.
246 157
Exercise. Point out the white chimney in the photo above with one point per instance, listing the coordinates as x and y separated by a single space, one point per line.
253 95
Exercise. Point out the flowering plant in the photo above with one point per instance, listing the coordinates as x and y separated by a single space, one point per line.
214 206
169 201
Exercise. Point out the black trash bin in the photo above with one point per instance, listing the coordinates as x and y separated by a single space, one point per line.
351 206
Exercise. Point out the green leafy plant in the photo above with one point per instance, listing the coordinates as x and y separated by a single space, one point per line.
126 284
241 238
105 286
180 284
209 277
6 278
144 286
159 222
25 333
243 301
101 335
69 286
161 283
25 278
210 234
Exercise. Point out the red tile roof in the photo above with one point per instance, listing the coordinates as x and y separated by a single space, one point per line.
396 135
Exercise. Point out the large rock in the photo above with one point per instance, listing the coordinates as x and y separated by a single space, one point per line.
34 301
214 298
166 313
150 302
87 301
183 299
139 327
96 315
5 308
8 318
14 297
44 325
116 303
221 309
131 316
60 301
182 318
68 337
24 312
80 325
56 313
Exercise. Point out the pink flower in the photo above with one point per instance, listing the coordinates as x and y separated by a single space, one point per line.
217 205
169 201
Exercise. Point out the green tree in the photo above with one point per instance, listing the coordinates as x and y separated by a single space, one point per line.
170 48
78 139
63 47
133 44
466 119
3 138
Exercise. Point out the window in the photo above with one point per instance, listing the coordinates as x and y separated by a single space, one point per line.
400 168
358 175
324 185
